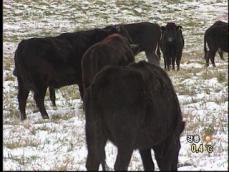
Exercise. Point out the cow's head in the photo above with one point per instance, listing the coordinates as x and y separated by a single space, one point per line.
121 30
103 33
170 32
112 29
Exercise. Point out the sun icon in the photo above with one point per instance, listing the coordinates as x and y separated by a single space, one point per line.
207 138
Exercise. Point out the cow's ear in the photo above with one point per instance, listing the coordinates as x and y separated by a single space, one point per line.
111 29
162 28
118 28
179 27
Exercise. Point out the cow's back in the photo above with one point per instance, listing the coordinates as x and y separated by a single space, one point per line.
138 95
217 35
113 50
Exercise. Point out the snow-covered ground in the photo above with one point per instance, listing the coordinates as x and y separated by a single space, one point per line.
59 143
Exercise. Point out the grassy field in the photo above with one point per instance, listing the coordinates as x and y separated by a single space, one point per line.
59 143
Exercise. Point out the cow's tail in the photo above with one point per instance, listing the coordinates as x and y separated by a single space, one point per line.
205 44
15 72
16 56
158 50
19 69
93 126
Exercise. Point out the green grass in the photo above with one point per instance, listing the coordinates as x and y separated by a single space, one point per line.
186 91
21 143
22 160
221 77
209 130
58 117
71 91
215 73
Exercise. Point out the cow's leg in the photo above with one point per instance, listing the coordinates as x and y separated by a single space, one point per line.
206 56
147 159
93 161
158 53
212 57
52 96
178 64
96 142
159 152
96 155
220 54
168 59
165 61
213 61
22 97
103 154
123 157
39 96
81 90
166 154
173 63
173 152
105 167
178 59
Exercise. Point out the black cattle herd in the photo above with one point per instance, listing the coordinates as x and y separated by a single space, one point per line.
134 105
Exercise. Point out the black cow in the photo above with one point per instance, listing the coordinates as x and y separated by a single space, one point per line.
146 37
52 62
135 107
172 44
215 38
113 50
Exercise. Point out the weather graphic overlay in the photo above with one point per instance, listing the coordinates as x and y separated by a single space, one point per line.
200 145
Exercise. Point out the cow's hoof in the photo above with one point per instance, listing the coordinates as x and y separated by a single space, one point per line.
35 110
45 117
23 118
105 167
